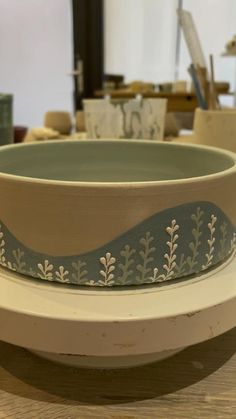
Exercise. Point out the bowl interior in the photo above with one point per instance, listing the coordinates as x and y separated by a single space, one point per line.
111 161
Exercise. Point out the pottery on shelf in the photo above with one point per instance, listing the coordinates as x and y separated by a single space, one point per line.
59 121
6 119
80 121
216 128
19 133
116 213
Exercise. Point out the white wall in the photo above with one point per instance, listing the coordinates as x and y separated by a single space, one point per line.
140 38
36 57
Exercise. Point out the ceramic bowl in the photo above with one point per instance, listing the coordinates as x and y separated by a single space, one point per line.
109 213
59 121
216 128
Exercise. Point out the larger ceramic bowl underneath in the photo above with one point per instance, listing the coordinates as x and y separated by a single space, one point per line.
107 213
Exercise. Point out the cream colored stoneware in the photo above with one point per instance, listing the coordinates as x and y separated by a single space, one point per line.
216 128
106 213
59 121
112 328
80 121
125 118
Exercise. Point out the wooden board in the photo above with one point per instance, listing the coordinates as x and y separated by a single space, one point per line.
177 102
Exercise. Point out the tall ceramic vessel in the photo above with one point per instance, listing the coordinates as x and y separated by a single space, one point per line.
6 119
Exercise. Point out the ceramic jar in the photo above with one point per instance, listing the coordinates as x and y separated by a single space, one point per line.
6 119
216 128
59 121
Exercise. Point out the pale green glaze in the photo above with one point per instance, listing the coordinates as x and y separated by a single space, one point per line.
111 161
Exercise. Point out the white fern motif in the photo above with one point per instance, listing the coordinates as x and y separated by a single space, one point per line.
195 244
180 267
45 270
62 275
170 257
19 264
32 272
9 265
155 276
125 267
108 263
211 241
223 230
2 248
91 283
3 260
145 254
80 275
233 244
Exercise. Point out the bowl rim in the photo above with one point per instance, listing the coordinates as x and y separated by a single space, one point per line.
222 112
122 185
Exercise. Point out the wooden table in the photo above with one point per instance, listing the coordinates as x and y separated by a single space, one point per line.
177 102
198 383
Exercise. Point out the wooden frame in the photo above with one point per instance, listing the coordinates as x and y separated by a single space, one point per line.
88 48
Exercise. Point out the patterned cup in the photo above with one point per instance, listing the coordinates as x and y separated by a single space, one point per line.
123 118
109 213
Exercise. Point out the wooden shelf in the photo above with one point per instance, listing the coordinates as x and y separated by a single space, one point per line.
177 102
